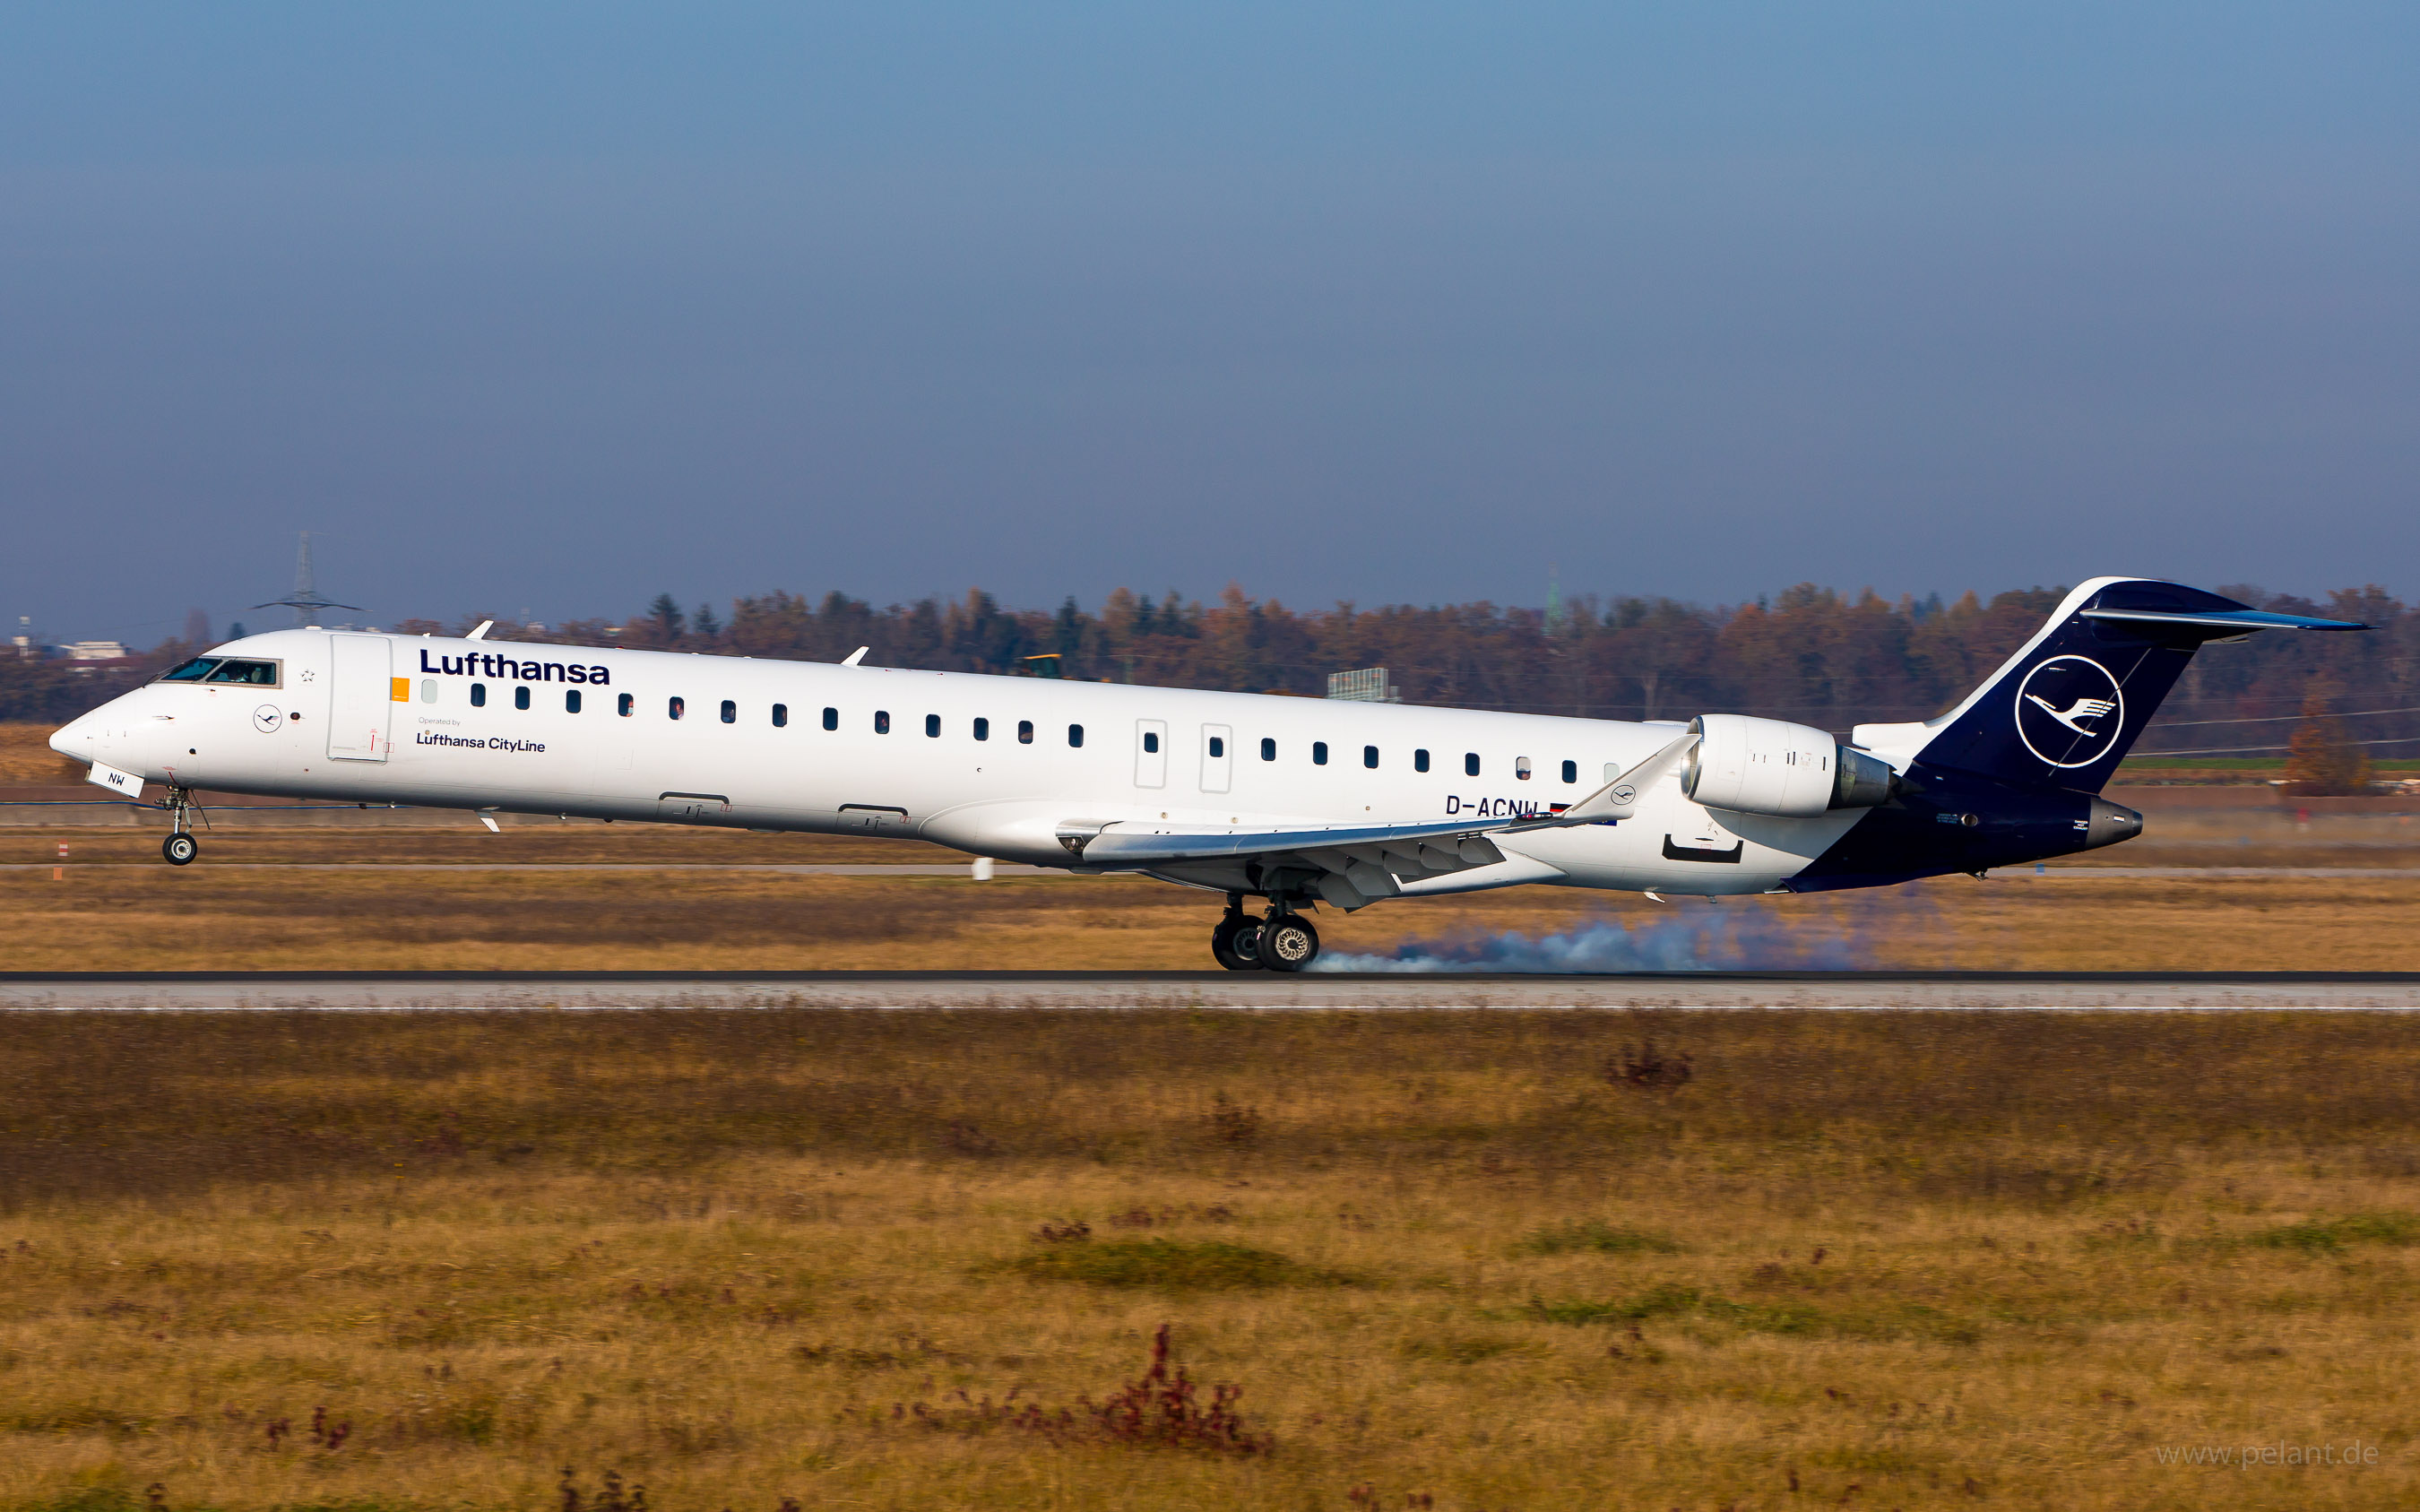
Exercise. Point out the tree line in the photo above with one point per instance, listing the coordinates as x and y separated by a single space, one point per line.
1808 654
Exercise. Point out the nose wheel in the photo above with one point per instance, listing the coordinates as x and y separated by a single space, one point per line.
180 847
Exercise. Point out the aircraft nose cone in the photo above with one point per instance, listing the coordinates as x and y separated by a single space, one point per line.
73 741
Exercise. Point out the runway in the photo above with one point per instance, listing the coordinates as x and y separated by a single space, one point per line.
1006 869
1177 990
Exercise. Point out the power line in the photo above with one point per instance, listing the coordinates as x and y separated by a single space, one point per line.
2248 750
2279 719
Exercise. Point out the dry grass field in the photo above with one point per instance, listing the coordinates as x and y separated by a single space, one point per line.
26 756
1455 1260
419 898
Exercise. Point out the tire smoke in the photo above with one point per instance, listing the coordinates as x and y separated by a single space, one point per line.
1740 936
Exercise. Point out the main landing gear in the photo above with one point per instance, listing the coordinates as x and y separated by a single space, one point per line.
1284 941
180 847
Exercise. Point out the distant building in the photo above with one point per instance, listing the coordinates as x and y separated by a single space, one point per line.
1367 684
93 651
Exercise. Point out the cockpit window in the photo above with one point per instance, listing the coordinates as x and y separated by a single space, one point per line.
191 672
260 673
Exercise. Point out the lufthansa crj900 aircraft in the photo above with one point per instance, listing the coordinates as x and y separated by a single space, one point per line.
1294 801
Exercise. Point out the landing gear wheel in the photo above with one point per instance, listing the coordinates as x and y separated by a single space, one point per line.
180 849
1288 942
1236 942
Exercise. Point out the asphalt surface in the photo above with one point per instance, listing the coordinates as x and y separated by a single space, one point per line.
34 991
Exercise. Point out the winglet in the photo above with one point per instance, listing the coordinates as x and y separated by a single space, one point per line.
1619 798
480 633
855 656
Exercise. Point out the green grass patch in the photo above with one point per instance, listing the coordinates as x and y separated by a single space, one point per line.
1464 1349
115 1499
1175 1265
1661 1301
2327 1235
1788 1318
1593 1235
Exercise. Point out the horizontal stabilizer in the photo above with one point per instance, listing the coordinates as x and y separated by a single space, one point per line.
2224 619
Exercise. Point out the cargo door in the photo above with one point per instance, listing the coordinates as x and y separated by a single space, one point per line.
362 695
1217 758
1151 753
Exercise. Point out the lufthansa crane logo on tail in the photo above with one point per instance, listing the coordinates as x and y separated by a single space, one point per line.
2069 711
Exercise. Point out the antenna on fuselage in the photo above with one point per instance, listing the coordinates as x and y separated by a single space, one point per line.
306 598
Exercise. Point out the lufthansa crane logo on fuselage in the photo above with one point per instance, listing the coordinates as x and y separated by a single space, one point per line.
2069 711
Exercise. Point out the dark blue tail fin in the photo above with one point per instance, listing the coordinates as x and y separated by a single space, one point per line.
2063 712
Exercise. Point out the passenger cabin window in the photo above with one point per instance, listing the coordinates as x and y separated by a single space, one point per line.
730 711
1471 764
1218 747
571 701
1319 753
983 729
1420 760
1370 757
624 704
831 719
1571 771
675 707
478 695
933 726
1268 750
780 716
1024 731
882 721
1151 743
520 697
1521 767
1075 735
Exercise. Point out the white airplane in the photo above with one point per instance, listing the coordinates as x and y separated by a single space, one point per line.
1295 801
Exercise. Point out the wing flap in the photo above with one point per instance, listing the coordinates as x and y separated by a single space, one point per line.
1114 845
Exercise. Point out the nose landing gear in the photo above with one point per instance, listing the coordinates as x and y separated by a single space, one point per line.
180 847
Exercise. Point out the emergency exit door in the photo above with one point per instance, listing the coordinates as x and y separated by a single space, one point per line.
361 697
1151 753
1217 758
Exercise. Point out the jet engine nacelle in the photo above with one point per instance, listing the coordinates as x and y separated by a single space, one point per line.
1790 771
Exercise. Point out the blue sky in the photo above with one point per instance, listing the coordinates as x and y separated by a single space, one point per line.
558 307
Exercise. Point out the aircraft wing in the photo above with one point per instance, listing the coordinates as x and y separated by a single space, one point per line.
1120 845
1370 860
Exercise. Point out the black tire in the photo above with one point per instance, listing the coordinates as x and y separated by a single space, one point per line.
1288 942
1236 943
180 849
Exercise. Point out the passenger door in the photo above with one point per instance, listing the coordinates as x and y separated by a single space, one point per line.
1151 753
362 694
1217 758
